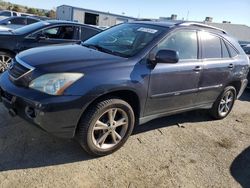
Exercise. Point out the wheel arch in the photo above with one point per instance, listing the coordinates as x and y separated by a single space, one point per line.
130 96
236 84
8 51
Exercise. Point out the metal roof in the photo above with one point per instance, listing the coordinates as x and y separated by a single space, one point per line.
240 32
98 12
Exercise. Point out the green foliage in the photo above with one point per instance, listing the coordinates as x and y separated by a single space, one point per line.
19 8
16 8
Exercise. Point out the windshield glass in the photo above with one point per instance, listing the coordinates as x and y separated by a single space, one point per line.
30 28
125 40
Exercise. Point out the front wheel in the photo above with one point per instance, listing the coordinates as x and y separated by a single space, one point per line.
224 103
105 127
5 60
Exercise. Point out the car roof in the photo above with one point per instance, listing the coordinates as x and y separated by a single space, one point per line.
156 23
54 22
177 23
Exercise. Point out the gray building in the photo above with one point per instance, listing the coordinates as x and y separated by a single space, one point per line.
240 32
91 17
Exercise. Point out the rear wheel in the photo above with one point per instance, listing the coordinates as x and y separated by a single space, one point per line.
5 60
224 104
106 126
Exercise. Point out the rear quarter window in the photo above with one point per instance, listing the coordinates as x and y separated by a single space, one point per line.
232 51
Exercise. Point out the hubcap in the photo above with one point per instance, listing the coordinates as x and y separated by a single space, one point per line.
4 62
226 103
110 128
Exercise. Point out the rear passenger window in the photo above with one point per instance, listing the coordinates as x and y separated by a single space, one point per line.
87 33
211 46
183 42
225 53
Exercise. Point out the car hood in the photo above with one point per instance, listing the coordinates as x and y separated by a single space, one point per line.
59 58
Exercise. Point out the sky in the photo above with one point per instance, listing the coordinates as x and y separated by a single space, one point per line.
236 11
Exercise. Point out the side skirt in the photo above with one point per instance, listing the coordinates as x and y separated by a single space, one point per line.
146 119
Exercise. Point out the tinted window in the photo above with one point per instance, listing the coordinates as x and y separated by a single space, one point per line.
86 33
211 46
5 13
60 32
18 21
14 14
225 53
184 42
31 21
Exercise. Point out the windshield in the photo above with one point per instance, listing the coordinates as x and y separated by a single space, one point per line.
125 40
30 28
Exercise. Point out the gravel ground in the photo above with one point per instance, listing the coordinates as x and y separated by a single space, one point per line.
187 150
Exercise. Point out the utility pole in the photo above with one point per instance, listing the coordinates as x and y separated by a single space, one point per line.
187 16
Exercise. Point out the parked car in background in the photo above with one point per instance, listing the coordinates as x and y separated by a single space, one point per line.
8 13
16 22
129 74
41 34
246 48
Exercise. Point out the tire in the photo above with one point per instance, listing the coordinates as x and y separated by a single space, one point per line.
5 60
98 123
224 103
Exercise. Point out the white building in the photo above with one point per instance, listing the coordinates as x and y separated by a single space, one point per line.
91 17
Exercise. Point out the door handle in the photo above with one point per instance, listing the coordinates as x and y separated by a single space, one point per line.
197 68
231 66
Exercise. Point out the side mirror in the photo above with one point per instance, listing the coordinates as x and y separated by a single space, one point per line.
167 56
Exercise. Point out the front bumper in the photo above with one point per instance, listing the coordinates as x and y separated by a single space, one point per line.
58 115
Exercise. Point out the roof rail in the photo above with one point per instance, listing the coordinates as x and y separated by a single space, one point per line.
201 25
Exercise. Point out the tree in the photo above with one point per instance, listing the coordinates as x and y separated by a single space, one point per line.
16 8
32 11
51 14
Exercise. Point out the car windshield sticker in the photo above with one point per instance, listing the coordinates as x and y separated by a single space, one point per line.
147 30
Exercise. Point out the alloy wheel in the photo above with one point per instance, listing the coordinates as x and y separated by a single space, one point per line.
4 62
226 103
110 128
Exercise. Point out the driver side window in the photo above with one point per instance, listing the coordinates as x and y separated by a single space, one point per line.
59 32
183 42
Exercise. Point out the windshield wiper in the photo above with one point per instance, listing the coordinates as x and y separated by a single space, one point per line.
101 49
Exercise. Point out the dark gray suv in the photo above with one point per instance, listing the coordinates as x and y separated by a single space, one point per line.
124 76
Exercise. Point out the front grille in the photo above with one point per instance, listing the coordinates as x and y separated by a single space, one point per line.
6 95
17 69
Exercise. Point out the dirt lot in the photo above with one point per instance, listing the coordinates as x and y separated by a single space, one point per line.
187 150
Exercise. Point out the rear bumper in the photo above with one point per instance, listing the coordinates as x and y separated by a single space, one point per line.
58 115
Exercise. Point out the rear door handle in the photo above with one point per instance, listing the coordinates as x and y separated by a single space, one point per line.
197 68
231 66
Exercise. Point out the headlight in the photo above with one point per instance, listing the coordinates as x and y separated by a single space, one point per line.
56 83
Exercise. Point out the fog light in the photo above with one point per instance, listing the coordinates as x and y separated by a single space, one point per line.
30 112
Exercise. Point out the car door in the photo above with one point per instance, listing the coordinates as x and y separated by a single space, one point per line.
174 86
63 34
218 66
